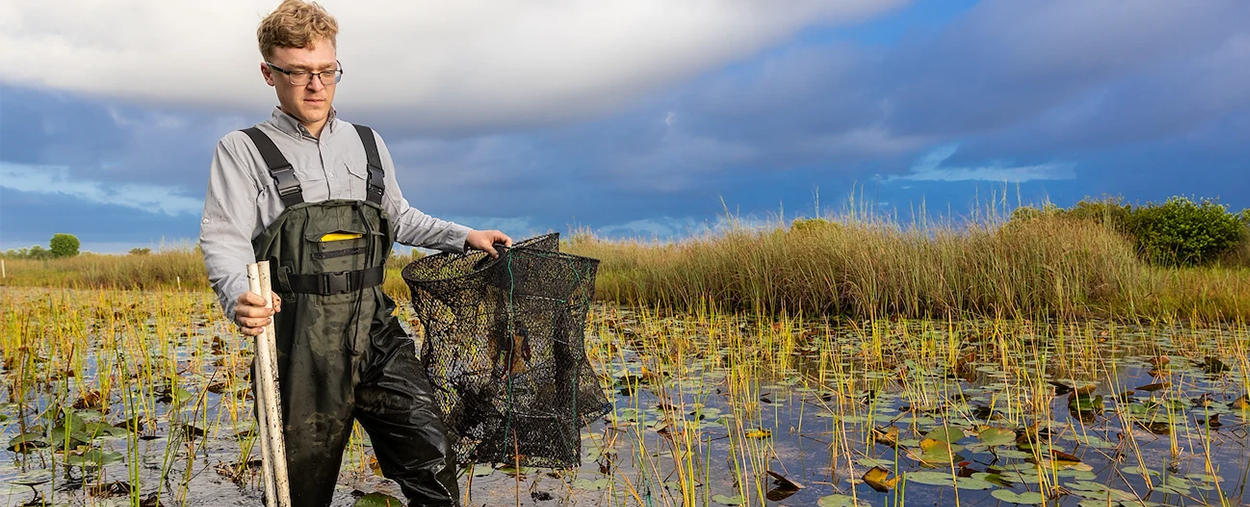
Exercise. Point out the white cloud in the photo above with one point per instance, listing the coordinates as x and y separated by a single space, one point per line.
930 168
464 64
150 198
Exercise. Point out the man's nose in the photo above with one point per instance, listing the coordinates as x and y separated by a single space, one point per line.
315 83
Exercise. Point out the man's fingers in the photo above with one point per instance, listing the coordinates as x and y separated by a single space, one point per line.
251 298
253 321
252 311
277 303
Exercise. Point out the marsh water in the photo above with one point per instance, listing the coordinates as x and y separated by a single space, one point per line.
119 398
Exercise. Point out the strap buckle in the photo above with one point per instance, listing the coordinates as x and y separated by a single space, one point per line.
335 283
284 179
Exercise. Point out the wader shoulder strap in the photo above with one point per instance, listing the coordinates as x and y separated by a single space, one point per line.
376 186
281 170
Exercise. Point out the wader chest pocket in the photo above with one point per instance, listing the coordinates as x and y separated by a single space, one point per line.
342 244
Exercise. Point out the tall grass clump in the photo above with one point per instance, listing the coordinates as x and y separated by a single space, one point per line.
875 267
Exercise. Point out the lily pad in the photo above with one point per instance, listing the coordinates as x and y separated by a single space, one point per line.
837 501
1026 498
949 435
728 500
93 458
27 442
931 478
937 452
592 484
997 436
995 479
32 478
378 500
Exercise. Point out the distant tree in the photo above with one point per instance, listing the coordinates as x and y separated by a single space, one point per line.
64 245
140 251
38 252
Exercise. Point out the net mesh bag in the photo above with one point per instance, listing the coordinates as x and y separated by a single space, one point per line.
504 350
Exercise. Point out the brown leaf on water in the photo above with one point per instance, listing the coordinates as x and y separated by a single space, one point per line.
374 465
152 500
192 431
1159 361
880 480
1213 366
1241 403
1213 422
1158 386
1060 388
782 482
89 399
116 488
1059 455
889 436
1086 389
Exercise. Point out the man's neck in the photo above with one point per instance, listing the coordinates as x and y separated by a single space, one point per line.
314 128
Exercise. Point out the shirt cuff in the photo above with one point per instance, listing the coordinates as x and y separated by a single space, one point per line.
458 238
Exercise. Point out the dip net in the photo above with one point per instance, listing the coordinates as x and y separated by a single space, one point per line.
504 350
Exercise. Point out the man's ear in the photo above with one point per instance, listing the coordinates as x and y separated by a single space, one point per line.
267 73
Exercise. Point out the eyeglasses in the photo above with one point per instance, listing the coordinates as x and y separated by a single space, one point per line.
303 77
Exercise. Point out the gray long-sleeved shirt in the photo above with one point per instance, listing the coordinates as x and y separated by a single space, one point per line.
242 198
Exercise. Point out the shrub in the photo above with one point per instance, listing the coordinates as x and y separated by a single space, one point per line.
64 245
38 252
812 225
1185 233
140 251
1109 211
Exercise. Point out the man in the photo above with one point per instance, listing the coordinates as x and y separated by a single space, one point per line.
318 198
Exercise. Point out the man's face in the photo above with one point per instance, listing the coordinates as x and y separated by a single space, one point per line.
309 103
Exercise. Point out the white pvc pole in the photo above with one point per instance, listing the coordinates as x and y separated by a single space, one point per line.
273 449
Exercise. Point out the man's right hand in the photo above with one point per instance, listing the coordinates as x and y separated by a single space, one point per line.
251 315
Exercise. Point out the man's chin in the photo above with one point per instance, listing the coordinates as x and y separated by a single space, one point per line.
314 115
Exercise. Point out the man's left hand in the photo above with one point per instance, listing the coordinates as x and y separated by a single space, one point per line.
485 241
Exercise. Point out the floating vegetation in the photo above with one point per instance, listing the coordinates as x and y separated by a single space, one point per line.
143 398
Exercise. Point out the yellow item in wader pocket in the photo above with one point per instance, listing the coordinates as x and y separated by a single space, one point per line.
340 236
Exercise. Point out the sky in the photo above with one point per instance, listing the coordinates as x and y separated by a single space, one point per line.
647 119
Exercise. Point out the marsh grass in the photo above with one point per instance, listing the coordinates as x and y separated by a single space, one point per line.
855 263
170 268
706 404
870 267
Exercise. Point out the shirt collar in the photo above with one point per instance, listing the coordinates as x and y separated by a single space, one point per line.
291 126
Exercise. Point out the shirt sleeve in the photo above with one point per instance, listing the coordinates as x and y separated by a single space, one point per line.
228 222
410 226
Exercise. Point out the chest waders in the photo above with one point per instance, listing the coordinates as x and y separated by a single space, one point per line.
342 356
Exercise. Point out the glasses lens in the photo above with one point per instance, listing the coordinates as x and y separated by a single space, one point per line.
299 77
330 77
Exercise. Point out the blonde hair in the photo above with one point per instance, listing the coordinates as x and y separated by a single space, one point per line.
295 24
